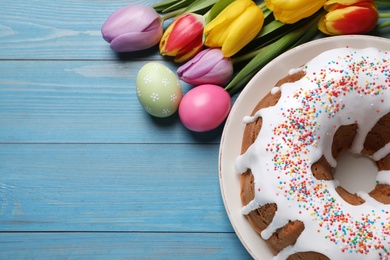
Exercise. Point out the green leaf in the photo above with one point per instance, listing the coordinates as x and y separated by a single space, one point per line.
199 5
308 35
164 4
272 32
268 34
268 16
383 24
384 2
176 6
217 8
272 26
264 55
267 53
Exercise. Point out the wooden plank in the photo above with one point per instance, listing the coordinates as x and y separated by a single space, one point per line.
82 101
127 187
66 29
121 246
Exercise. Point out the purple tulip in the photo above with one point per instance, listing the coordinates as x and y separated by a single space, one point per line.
207 67
133 28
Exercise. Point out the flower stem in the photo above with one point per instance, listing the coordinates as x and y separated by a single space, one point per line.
384 15
267 53
384 2
262 5
166 16
245 57
383 24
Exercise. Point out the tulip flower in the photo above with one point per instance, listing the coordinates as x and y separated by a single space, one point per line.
349 17
183 37
133 28
234 27
293 10
207 67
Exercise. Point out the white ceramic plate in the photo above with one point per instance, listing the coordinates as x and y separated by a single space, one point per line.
260 85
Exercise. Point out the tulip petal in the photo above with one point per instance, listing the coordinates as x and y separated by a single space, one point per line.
322 26
185 30
220 74
288 11
196 67
208 61
163 40
293 13
136 41
291 4
190 64
129 19
351 20
243 30
218 29
188 53
207 67
343 2
183 38
201 64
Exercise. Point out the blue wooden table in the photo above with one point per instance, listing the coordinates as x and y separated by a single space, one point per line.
85 173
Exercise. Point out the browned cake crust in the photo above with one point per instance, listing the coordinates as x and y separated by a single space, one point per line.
262 217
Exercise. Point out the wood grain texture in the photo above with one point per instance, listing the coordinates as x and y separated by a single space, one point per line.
82 102
86 187
123 245
65 29
85 173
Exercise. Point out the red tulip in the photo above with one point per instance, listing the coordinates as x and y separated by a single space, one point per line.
349 17
183 37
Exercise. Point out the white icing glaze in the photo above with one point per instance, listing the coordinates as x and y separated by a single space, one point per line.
275 90
381 153
294 71
341 87
383 177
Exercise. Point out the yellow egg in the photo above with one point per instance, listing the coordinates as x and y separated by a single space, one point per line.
158 89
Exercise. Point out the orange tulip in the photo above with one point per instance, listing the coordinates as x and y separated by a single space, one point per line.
349 17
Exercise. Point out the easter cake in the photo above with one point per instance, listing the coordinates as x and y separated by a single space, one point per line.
338 101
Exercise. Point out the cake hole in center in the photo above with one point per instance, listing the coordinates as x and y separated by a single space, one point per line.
356 172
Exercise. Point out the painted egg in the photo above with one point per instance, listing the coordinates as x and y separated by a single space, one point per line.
204 107
158 89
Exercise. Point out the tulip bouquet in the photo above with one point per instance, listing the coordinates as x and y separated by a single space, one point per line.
224 43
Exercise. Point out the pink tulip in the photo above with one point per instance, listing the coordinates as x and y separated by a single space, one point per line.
207 67
183 37
133 28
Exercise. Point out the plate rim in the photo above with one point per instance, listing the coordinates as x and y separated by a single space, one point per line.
353 41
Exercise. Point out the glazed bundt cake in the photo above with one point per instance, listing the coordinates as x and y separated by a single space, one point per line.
338 101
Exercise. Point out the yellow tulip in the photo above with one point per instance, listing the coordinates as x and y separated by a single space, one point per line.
341 2
234 27
291 11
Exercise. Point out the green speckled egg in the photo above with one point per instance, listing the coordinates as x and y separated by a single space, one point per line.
158 89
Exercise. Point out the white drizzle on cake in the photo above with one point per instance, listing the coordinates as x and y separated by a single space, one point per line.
341 87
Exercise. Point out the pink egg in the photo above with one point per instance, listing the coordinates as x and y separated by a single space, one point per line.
204 107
